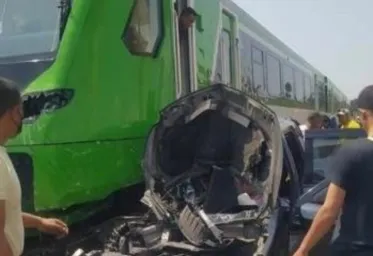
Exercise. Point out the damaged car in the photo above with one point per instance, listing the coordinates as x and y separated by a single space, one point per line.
213 168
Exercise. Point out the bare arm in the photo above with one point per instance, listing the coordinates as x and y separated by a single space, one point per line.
325 217
46 225
4 245
31 221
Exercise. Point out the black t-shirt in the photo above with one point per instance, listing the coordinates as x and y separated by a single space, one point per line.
351 168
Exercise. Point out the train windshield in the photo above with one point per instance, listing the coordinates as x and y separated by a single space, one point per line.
28 27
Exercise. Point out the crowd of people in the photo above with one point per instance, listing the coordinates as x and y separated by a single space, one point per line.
342 120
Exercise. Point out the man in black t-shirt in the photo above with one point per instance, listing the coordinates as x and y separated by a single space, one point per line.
350 190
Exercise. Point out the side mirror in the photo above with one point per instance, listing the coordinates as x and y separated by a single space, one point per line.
309 210
310 202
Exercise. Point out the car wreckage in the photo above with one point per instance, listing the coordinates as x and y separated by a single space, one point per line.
213 165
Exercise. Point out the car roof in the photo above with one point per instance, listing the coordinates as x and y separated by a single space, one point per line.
335 133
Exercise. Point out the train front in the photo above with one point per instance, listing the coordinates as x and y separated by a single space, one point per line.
34 51
29 39
86 120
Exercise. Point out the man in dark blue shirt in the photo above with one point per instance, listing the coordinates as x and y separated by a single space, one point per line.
350 190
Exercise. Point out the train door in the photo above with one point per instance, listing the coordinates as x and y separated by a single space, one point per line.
226 63
184 51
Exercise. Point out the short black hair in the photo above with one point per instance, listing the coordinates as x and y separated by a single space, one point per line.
365 98
189 11
314 115
10 95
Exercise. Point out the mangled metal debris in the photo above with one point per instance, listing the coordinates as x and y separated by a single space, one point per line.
212 168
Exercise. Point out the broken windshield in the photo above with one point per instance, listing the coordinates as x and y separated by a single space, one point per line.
28 27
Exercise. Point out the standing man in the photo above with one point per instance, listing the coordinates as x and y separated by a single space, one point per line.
350 190
12 219
315 121
346 121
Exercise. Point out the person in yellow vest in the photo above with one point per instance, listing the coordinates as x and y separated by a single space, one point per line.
346 120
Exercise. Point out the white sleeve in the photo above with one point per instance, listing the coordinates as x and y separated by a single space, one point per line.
4 180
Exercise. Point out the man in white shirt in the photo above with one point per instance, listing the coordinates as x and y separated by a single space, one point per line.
12 219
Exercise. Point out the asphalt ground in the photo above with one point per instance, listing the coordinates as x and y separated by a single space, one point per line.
80 234
321 249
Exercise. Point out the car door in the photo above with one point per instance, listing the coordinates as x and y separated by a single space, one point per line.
280 243
288 193
320 145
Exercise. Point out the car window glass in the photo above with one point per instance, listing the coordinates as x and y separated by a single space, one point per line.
322 144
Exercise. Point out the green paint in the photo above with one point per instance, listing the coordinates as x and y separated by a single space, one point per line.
93 146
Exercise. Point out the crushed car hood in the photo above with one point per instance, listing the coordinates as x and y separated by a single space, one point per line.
212 168
212 165
214 126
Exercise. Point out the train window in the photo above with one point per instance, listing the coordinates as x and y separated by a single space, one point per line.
322 96
226 57
307 87
309 91
245 58
143 33
257 55
273 76
299 86
258 71
288 81
24 32
258 78
219 66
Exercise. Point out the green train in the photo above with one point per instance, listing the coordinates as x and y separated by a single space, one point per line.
95 74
